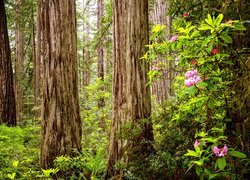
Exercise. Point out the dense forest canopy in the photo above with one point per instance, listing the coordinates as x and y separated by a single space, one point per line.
124 89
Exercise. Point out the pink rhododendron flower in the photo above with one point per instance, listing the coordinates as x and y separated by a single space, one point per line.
216 150
173 38
186 14
192 78
215 51
188 74
197 79
220 152
188 83
225 149
196 143
191 73
154 68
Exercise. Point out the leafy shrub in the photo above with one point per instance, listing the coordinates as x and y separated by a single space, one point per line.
19 152
87 165
204 100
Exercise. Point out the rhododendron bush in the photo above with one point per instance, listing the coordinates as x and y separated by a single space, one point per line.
203 70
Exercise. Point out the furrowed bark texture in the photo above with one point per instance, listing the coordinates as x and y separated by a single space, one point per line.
37 62
100 48
86 74
161 88
7 94
61 125
19 63
131 97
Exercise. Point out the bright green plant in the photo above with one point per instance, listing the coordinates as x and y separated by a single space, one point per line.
19 152
96 120
87 165
211 161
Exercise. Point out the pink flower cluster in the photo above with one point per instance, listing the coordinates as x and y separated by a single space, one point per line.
220 152
154 68
173 38
192 78
196 143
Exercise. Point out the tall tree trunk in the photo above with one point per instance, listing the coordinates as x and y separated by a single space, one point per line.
7 94
86 74
19 63
61 124
101 102
100 48
37 62
33 49
161 88
131 97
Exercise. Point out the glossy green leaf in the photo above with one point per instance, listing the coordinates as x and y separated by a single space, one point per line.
237 154
226 38
191 153
240 27
202 84
198 170
209 20
218 20
221 163
205 27
199 163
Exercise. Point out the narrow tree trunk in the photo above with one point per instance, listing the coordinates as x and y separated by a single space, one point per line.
131 97
7 94
19 63
37 62
61 125
86 74
161 88
100 48
33 48
101 102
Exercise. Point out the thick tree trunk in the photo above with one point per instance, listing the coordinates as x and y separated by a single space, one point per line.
161 88
7 95
37 62
61 125
19 63
131 97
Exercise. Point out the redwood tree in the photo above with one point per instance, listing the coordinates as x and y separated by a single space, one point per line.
100 48
131 129
7 95
37 61
161 88
61 124
19 62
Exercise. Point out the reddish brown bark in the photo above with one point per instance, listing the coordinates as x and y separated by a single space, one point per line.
37 62
19 62
7 95
61 122
131 97
161 88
